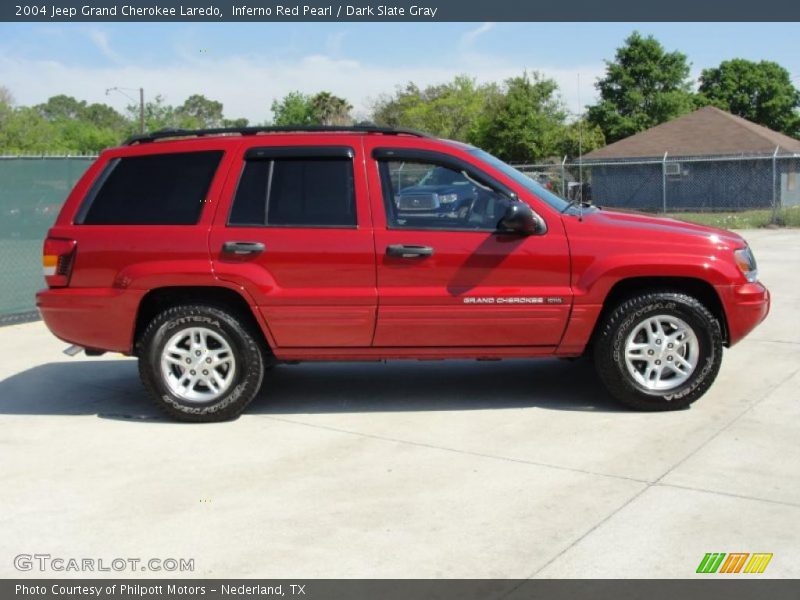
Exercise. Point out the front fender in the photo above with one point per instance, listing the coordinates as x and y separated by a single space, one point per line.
591 286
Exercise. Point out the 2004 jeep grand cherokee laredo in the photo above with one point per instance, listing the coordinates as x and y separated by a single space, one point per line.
214 255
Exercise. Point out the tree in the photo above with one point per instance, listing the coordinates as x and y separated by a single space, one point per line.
525 122
761 92
323 108
293 109
644 85
157 115
6 97
448 110
331 110
6 105
62 107
198 112
103 116
23 130
81 127
241 122
396 111
83 137
64 124
578 138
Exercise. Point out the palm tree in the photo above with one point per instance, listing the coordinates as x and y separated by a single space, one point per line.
331 110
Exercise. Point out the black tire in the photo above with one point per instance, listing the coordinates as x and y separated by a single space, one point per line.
617 325
248 355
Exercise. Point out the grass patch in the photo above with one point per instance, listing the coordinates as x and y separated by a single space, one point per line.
746 219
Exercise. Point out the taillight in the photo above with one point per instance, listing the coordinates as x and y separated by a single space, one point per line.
57 259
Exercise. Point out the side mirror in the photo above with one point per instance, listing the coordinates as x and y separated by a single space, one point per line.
520 218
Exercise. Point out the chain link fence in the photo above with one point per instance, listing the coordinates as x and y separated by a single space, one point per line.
32 190
686 184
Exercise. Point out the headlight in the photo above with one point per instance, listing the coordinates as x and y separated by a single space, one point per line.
747 263
447 198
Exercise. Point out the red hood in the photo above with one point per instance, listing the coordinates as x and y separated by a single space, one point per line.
643 223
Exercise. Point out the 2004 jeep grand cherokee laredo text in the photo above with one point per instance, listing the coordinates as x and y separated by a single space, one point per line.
214 257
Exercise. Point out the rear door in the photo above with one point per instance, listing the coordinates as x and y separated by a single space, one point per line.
295 233
446 277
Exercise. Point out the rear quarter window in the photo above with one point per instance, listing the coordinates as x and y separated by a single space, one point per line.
157 189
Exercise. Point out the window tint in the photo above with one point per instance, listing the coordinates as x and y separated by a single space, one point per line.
296 192
421 195
538 189
158 189
250 203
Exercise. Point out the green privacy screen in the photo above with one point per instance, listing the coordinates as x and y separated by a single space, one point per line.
32 191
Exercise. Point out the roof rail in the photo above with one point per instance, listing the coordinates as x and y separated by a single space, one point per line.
178 133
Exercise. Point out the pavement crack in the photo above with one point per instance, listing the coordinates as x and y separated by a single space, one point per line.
729 494
589 531
790 342
658 482
727 426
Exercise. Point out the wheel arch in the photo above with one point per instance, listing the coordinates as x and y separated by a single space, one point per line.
691 286
162 298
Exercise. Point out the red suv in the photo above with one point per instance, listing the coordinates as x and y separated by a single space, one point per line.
214 255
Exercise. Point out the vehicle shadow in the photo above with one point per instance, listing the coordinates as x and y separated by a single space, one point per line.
111 388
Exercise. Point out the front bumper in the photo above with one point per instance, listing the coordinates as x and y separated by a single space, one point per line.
100 318
746 305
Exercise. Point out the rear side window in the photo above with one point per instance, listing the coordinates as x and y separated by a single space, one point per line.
158 189
296 192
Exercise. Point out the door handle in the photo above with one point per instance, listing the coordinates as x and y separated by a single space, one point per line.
408 251
242 248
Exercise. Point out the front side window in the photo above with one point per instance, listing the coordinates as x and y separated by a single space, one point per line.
520 178
157 189
425 195
295 192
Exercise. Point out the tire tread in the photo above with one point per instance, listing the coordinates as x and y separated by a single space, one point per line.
609 369
241 329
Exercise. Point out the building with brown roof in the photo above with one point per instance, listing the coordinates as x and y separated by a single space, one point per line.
714 160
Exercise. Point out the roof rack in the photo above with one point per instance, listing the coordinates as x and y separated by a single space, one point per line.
179 133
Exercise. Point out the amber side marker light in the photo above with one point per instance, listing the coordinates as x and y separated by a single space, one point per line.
747 263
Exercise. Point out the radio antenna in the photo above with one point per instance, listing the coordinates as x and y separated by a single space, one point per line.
580 152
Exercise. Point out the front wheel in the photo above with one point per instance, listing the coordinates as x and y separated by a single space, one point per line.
200 363
658 351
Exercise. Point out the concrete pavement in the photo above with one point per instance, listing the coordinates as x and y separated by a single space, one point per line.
460 469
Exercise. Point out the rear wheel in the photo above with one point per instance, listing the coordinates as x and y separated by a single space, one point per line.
200 363
658 351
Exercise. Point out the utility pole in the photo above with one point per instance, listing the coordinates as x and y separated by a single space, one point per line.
141 110
122 90
580 147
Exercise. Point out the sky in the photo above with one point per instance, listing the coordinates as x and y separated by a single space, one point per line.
247 65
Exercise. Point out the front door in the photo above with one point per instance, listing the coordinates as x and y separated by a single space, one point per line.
446 276
298 238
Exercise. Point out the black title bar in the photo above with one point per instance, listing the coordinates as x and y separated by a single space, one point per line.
417 10
402 589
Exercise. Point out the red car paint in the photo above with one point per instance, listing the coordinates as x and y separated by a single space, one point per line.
333 294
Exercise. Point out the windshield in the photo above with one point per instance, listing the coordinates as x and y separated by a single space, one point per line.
529 184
